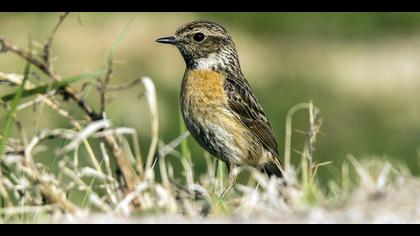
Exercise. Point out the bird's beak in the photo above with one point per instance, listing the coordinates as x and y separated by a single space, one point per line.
167 40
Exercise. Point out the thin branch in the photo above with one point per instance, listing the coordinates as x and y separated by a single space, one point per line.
127 170
123 86
68 91
7 46
103 84
48 43
131 178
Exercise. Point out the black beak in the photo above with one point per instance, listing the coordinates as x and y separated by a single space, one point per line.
167 40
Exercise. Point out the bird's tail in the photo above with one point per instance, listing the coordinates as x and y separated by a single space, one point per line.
273 168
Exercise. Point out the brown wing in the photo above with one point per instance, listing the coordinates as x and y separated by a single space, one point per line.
244 104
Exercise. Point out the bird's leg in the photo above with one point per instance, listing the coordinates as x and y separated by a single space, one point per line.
232 176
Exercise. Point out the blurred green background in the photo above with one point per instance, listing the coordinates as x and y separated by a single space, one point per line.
361 69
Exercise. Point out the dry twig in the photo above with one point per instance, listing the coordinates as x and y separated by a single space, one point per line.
131 178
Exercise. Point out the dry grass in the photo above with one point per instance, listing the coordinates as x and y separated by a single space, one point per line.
118 184
398 205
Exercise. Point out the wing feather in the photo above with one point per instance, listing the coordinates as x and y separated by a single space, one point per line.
245 106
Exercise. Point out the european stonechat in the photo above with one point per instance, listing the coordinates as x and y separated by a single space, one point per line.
217 103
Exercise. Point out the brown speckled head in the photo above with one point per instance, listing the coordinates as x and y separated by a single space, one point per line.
204 44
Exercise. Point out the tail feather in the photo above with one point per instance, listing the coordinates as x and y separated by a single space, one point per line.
271 168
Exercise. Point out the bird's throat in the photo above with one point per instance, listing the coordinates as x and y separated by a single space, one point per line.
210 62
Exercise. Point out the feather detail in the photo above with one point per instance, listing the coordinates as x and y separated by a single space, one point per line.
245 106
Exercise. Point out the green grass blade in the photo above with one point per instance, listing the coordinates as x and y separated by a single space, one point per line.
86 196
53 86
117 42
16 99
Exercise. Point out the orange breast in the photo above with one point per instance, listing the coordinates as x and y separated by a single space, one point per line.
203 89
206 111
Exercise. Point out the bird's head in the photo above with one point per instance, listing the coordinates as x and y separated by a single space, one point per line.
204 45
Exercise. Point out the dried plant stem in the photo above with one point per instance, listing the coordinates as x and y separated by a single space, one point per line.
11 114
55 107
288 140
314 127
10 211
107 162
103 84
152 102
123 162
96 200
45 68
38 99
51 193
55 195
3 192
48 43
130 176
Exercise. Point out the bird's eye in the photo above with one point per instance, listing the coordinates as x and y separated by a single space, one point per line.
198 37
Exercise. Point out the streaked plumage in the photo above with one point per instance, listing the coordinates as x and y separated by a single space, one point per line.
219 108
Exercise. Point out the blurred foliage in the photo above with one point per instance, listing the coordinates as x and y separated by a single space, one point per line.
347 26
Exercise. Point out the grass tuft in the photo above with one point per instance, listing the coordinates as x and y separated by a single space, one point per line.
100 176
17 96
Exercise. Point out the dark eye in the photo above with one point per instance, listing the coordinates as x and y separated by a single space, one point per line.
198 37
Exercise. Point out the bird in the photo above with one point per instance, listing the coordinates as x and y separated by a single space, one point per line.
218 106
